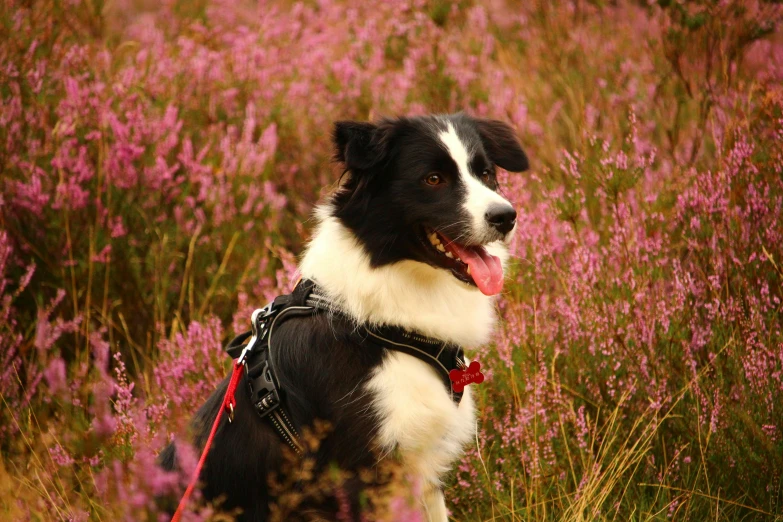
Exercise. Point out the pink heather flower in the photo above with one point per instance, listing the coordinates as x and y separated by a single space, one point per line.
55 375
104 424
117 227
104 256
190 367
582 428
46 332
100 349
31 196
60 456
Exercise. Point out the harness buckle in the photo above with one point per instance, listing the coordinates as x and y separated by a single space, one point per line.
264 393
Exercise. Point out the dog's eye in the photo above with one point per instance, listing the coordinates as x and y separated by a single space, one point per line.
486 176
433 179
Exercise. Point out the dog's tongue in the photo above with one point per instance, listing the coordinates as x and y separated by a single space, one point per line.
485 269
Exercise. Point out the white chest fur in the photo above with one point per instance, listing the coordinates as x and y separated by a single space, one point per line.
419 418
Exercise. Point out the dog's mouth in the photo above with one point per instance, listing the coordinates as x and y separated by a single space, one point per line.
471 264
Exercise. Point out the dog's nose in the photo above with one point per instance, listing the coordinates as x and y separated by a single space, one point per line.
502 218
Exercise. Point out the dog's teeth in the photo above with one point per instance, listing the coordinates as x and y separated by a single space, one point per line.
448 254
440 248
468 269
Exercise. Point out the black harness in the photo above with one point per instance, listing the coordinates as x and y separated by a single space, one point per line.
258 356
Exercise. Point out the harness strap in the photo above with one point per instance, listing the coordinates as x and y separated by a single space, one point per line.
266 394
440 355
258 355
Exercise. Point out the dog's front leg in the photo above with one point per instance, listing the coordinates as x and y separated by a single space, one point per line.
435 505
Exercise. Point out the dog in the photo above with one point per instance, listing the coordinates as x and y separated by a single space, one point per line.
415 237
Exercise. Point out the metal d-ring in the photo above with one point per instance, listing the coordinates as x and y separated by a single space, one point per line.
254 325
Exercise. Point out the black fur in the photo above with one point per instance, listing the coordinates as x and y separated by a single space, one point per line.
386 203
502 145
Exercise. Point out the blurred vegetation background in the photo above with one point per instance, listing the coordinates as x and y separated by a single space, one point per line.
160 162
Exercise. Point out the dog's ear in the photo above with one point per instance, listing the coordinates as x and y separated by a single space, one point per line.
502 145
357 144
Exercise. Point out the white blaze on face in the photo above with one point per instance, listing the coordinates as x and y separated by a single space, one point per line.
479 198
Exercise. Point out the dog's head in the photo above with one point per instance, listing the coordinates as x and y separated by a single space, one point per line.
425 189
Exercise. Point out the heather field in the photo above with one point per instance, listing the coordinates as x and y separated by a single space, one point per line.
160 160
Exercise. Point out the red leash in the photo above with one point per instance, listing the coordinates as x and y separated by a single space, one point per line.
229 401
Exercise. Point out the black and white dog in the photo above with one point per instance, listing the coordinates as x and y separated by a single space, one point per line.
416 238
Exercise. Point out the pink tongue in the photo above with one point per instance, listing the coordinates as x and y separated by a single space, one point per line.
485 269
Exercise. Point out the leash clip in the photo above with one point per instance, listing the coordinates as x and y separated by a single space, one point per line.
258 323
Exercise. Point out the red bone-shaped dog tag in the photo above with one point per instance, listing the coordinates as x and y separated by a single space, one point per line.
461 378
